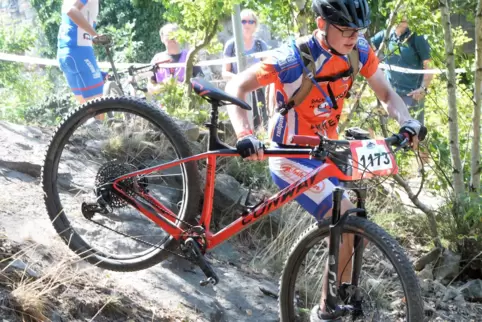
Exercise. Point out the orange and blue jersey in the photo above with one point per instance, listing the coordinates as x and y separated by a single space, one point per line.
315 114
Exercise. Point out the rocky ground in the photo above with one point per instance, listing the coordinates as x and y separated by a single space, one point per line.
71 290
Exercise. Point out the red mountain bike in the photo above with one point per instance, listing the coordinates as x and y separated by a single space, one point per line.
125 196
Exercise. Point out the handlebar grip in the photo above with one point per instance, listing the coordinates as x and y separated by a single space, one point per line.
305 140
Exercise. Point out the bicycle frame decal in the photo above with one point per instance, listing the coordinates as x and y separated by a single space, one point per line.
166 219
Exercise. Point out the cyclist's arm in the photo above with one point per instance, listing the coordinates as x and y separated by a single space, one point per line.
79 19
239 86
391 100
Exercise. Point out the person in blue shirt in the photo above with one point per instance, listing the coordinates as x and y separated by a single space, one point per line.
252 45
74 49
409 50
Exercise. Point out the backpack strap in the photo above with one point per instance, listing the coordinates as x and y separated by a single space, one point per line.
258 46
307 83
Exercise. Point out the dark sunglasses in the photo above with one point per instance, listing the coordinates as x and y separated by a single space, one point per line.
347 33
251 22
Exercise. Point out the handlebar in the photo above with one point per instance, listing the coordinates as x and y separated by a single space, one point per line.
395 139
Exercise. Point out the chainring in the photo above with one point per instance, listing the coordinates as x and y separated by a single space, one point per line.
110 171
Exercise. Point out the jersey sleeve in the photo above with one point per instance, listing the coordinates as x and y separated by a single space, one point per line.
283 66
368 59
266 72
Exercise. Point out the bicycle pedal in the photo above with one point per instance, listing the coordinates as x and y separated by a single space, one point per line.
198 258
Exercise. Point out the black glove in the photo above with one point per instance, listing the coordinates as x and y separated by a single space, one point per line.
248 145
413 128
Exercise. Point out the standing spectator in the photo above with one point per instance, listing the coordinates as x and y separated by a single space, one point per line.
251 45
74 49
409 50
172 54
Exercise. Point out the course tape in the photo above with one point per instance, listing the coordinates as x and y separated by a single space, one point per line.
213 62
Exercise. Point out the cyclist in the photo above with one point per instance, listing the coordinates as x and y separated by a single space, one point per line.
340 25
74 48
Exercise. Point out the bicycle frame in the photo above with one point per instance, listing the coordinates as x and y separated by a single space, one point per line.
167 220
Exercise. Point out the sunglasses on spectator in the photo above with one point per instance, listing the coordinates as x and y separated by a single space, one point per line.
251 22
347 33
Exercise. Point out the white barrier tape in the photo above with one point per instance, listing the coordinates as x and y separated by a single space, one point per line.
221 61
417 71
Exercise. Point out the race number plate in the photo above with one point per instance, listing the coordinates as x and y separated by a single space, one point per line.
372 158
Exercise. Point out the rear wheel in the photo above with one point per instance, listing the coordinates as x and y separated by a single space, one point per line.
85 154
387 284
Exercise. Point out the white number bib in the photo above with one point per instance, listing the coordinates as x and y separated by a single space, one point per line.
372 158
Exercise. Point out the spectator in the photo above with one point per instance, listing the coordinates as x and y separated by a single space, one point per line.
172 54
251 45
409 50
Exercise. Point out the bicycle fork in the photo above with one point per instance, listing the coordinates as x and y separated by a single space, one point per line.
333 291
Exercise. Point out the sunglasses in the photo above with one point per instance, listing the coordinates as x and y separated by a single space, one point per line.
251 22
347 33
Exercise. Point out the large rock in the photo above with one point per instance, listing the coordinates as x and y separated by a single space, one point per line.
23 148
448 266
189 129
472 290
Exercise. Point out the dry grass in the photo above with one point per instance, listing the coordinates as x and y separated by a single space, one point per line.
63 288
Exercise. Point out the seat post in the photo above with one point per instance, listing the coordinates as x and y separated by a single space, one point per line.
213 126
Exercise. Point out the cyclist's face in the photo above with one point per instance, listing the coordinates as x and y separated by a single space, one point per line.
340 38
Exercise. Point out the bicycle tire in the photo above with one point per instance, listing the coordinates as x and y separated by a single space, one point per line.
369 230
51 194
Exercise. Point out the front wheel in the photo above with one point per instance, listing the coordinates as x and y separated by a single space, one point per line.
387 284
86 154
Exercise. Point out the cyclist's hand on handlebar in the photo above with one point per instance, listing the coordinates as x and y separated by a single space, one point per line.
414 131
250 148
102 40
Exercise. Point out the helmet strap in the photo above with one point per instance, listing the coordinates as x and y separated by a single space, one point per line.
325 38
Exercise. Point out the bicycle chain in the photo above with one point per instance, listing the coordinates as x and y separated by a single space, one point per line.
139 240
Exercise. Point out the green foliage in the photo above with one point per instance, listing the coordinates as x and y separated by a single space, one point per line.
281 21
26 92
140 21
125 48
172 99
461 228
48 16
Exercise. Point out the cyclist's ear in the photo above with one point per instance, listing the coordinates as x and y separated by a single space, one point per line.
320 23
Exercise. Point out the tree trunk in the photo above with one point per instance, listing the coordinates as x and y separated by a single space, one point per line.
452 100
209 35
475 162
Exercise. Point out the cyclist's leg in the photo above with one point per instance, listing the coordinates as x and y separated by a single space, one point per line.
318 201
82 72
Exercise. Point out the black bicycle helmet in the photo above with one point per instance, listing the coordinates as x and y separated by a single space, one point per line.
347 13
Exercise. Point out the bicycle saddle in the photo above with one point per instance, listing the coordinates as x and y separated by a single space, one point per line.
205 89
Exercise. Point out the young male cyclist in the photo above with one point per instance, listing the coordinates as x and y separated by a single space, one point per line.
74 49
340 24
